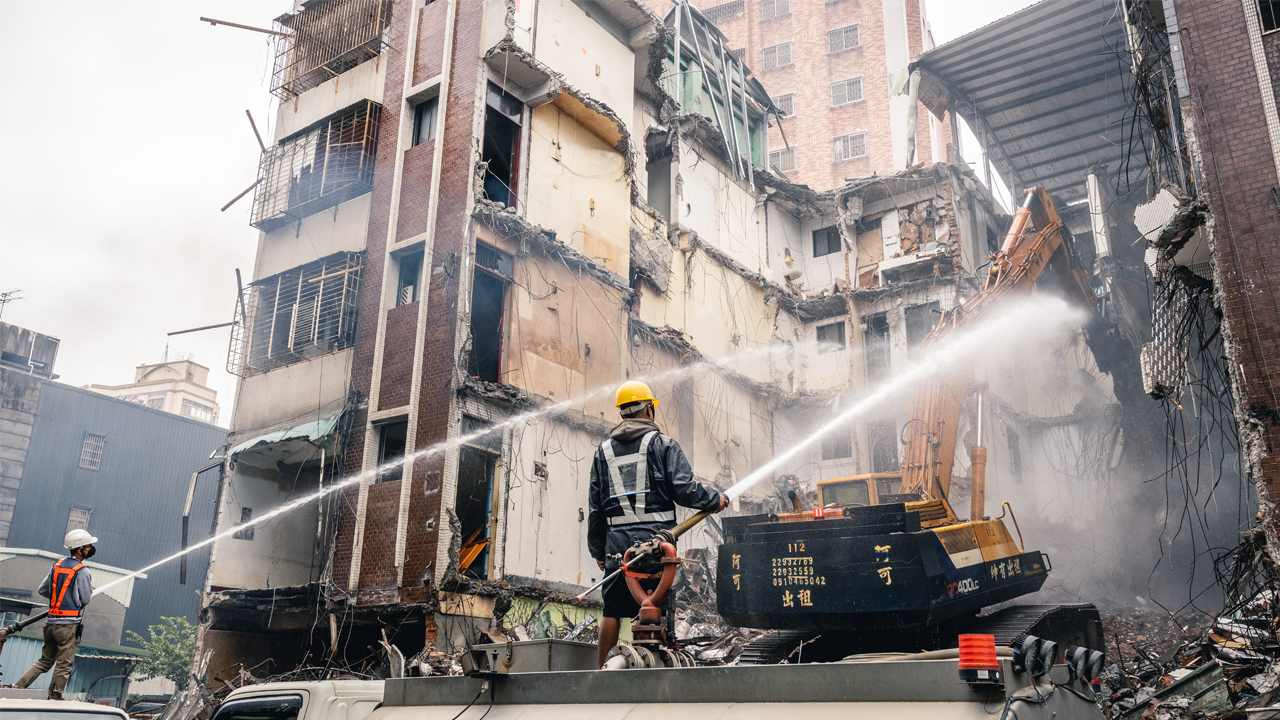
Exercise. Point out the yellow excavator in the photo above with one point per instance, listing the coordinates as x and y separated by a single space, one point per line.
882 561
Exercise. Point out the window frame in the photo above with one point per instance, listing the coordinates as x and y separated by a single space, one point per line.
827 346
849 99
791 56
773 9
857 27
397 473
791 98
94 453
88 515
404 266
431 104
866 149
784 152
1272 8
829 233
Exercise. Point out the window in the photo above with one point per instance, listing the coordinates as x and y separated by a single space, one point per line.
847 494
502 120
79 518
244 533
477 464
786 105
391 444
198 411
887 486
1015 453
783 161
156 403
875 342
323 40
725 12
274 707
845 38
1269 10
317 168
826 241
297 315
921 319
770 9
740 53
848 147
775 56
831 337
883 438
91 451
658 169
424 121
488 292
410 277
846 92
837 445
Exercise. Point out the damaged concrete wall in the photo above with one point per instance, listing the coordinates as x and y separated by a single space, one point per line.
277 553
588 56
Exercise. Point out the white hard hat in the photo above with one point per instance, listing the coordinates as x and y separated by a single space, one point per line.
78 538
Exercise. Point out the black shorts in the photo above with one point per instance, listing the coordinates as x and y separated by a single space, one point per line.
618 602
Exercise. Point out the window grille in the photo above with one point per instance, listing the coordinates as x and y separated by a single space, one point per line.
786 104
846 92
725 12
91 451
198 411
845 38
783 160
313 170
848 147
775 56
79 518
297 315
325 40
770 9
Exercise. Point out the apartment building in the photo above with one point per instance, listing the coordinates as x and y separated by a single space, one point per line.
829 66
176 386
526 204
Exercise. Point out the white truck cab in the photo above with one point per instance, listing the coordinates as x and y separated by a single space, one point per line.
320 700
15 707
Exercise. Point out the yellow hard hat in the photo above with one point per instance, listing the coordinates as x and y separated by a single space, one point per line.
634 391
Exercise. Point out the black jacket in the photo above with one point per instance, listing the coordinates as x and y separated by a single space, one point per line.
671 483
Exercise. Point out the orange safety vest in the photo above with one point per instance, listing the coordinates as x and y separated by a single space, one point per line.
63 577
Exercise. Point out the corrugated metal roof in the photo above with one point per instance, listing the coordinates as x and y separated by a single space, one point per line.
1047 84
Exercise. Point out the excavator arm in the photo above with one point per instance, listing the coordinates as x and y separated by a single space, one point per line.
1037 238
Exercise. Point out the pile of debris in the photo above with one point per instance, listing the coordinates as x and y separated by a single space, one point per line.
1177 667
705 634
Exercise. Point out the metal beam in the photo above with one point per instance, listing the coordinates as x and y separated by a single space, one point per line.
1013 178
1047 93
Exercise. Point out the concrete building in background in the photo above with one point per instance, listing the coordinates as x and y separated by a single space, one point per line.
830 68
27 351
176 386
73 458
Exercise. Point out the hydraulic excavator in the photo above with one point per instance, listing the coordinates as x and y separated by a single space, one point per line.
882 562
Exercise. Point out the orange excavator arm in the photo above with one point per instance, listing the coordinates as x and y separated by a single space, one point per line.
1036 238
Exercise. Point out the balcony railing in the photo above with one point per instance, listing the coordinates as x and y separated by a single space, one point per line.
317 168
296 315
326 39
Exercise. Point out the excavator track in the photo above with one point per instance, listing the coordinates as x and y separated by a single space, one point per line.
1076 624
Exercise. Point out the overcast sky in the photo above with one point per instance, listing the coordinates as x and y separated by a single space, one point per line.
125 133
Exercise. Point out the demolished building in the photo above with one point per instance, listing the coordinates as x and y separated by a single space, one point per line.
525 204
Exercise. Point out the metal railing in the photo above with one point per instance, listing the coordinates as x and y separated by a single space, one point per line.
325 40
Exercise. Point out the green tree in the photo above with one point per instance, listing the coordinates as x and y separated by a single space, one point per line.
171 645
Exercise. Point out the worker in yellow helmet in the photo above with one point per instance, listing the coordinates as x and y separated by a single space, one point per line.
638 477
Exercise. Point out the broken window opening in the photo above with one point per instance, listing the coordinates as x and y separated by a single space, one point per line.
826 241
78 519
1015 453
477 465
830 338
846 92
296 315
921 319
245 533
392 438
849 147
837 445
844 38
502 120
424 121
410 277
313 170
883 439
658 169
784 161
488 294
993 239
875 341
1269 12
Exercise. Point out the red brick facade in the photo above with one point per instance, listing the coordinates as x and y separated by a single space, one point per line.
377 578
1225 113
809 76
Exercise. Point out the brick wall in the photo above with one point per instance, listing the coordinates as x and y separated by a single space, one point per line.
1239 177
809 78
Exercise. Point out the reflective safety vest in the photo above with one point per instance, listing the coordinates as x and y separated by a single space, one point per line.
64 576
629 483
